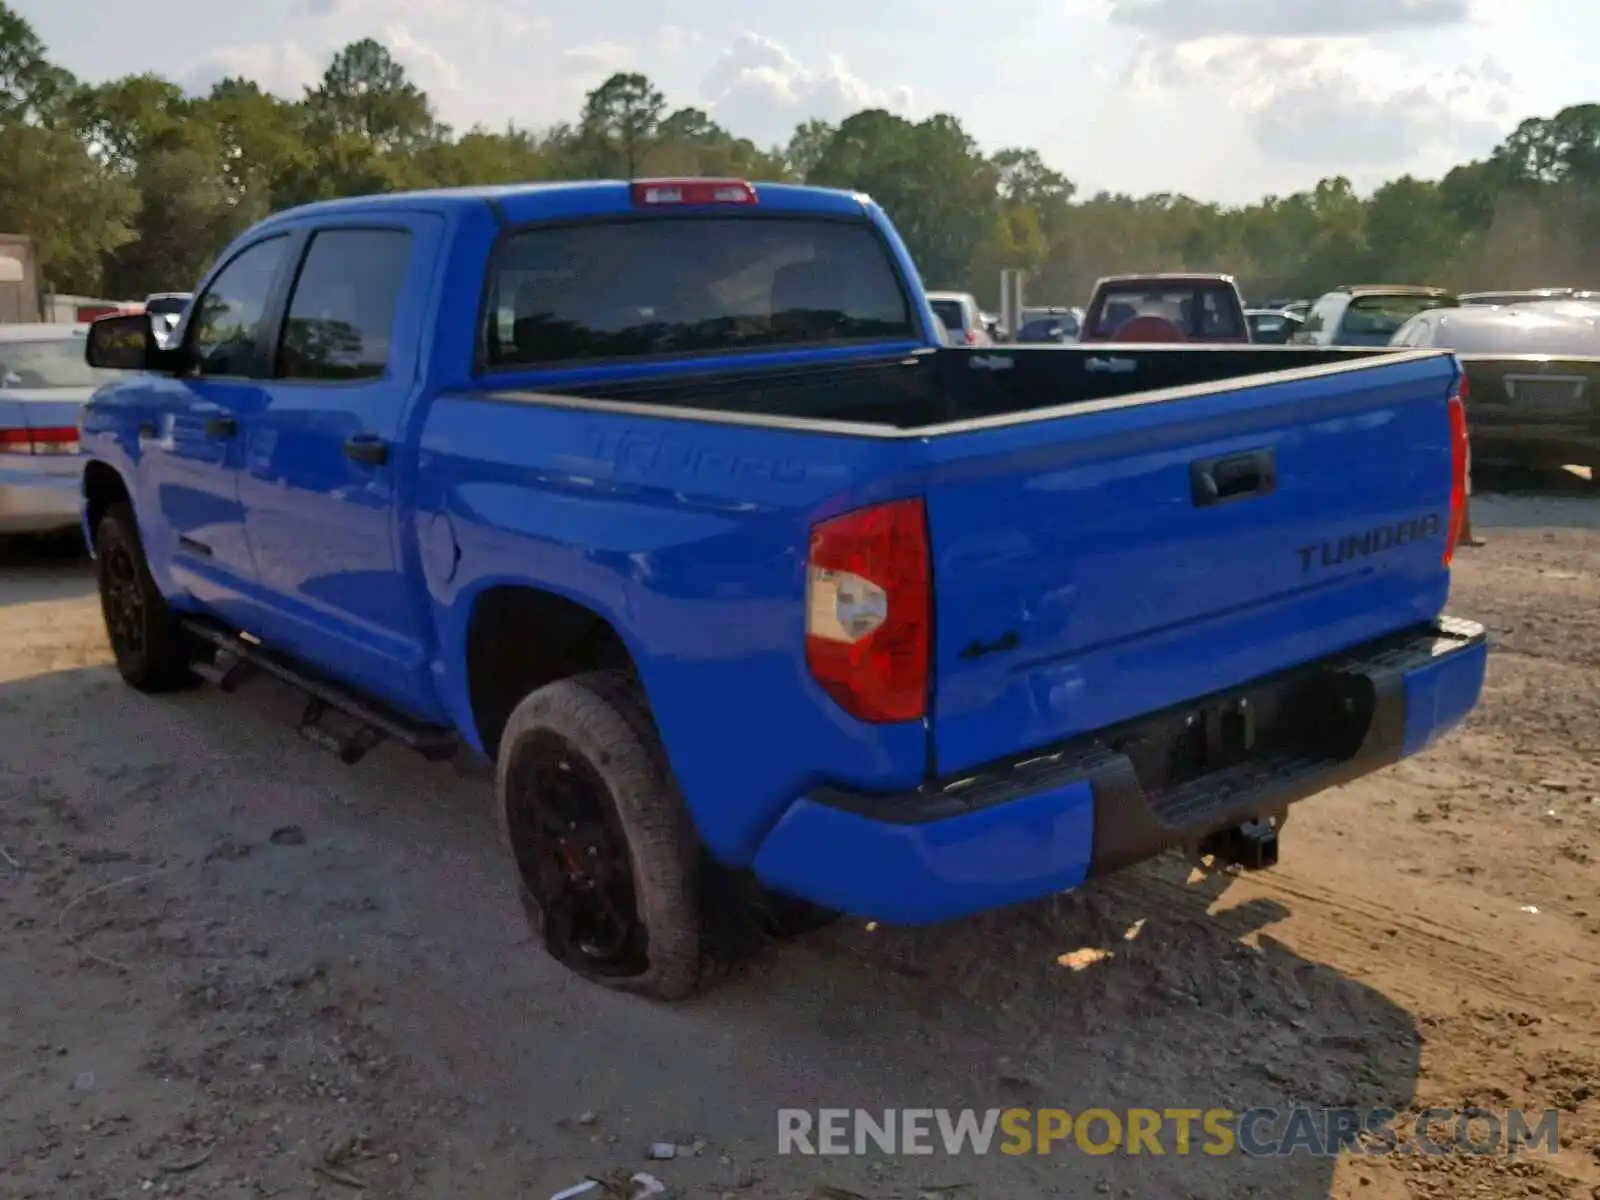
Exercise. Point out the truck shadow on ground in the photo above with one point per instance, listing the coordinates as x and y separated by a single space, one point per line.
1145 991
34 569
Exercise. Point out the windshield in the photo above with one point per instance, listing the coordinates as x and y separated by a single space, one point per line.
1200 312
660 286
49 363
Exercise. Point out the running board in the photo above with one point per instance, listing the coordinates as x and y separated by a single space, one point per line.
236 659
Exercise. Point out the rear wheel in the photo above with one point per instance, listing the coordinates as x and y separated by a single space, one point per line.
605 854
151 650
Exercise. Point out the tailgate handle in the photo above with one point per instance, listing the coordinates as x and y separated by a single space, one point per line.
1232 477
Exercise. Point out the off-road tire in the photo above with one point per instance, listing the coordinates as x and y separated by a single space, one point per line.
602 717
149 644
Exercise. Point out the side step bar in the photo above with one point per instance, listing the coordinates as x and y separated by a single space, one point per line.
236 659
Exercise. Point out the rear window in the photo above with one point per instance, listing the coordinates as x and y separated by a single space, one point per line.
1200 312
1379 317
1522 335
667 286
949 313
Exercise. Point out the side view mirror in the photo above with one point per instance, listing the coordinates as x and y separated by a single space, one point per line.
121 343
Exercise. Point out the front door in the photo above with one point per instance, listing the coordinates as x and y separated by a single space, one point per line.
324 452
191 441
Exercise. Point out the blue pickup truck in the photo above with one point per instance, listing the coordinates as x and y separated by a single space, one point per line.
668 499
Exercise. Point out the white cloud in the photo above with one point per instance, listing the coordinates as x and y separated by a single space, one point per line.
596 61
1334 103
429 69
1183 19
283 68
759 90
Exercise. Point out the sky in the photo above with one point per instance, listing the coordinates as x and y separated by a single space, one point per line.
1225 100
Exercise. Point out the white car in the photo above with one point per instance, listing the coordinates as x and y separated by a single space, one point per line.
44 384
961 317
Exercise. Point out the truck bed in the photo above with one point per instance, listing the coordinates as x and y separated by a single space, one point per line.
1083 572
948 386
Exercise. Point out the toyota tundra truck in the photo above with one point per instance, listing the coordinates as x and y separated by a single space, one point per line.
668 499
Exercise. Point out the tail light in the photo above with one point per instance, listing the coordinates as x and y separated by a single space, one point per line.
869 611
651 192
63 440
971 337
1460 465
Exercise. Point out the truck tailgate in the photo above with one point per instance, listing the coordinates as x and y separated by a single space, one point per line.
1121 557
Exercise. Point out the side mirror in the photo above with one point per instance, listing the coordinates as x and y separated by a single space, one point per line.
121 343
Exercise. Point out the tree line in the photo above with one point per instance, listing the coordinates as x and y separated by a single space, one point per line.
131 185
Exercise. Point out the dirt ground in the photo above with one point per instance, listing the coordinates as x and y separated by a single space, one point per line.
232 967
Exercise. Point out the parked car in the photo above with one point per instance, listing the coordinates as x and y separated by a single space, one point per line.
1366 314
44 382
1165 307
651 492
1533 380
1272 327
961 317
1483 298
1054 324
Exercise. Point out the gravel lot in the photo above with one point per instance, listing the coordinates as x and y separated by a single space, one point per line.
232 967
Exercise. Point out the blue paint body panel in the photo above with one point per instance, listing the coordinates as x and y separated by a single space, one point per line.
1074 530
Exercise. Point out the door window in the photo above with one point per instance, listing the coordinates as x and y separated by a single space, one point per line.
341 316
225 328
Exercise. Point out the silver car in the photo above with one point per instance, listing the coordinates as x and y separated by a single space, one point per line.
44 383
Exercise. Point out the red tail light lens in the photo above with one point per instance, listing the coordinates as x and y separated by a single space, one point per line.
972 337
1460 465
869 611
692 191
39 441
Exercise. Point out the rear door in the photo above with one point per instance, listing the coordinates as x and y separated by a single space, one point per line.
323 453
1106 563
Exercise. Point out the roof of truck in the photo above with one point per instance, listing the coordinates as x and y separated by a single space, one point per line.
1166 277
1390 289
521 202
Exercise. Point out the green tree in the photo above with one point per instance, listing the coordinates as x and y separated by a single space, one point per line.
620 123
32 88
366 95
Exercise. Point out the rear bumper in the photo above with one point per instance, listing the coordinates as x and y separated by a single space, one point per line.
31 503
1024 830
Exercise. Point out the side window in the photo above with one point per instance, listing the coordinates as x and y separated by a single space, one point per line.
341 314
226 322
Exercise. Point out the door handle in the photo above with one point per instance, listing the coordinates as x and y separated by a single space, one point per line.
221 427
366 450
1233 477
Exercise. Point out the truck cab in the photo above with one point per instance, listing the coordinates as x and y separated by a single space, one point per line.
1166 308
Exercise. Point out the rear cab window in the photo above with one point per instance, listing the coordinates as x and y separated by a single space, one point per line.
1199 310
657 287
